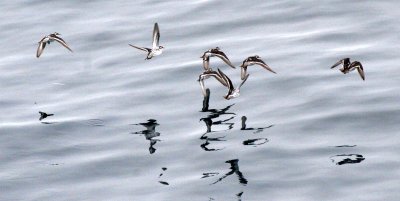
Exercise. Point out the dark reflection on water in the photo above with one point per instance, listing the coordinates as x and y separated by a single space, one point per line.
209 174
255 142
46 122
161 174
256 130
149 133
209 121
163 170
205 147
346 146
234 169
239 196
343 159
164 182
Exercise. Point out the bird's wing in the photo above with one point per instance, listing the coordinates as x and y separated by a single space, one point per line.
140 48
156 36
40 49
359 67
62 42
338 63
264 65
244 80
227 81
244 63
222 56
221 80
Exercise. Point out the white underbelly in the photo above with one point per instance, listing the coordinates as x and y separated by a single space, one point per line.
157 52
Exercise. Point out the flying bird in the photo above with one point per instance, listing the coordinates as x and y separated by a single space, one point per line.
348 66
207 74
44 115
224 80
156 49
232 91
47 40
215 52
253 60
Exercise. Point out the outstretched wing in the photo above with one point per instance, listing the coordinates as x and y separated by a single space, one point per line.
227 81
156 36
264 65
359 67
40 49
140 48
224 58
62 42
221 79
247 76
342 61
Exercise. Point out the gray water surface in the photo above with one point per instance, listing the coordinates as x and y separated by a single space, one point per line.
125 128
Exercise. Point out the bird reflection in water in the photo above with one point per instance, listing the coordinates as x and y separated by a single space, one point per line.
234 169
210 121
343 159
256 130
149 133
238 196
255 141
161 174
209 174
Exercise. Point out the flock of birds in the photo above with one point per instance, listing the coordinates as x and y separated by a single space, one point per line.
221 77
233 91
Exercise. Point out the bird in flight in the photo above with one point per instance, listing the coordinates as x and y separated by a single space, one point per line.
44 115
214 52
156 49
47 40
253 60
224 80
348 66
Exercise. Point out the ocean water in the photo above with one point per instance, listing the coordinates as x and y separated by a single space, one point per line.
125 128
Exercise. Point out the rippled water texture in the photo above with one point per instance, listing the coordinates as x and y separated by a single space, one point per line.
125 128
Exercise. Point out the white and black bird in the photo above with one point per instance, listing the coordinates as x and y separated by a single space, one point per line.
215 52
224 80
232 91
348 66
47 40
253 60
207 74
156 49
